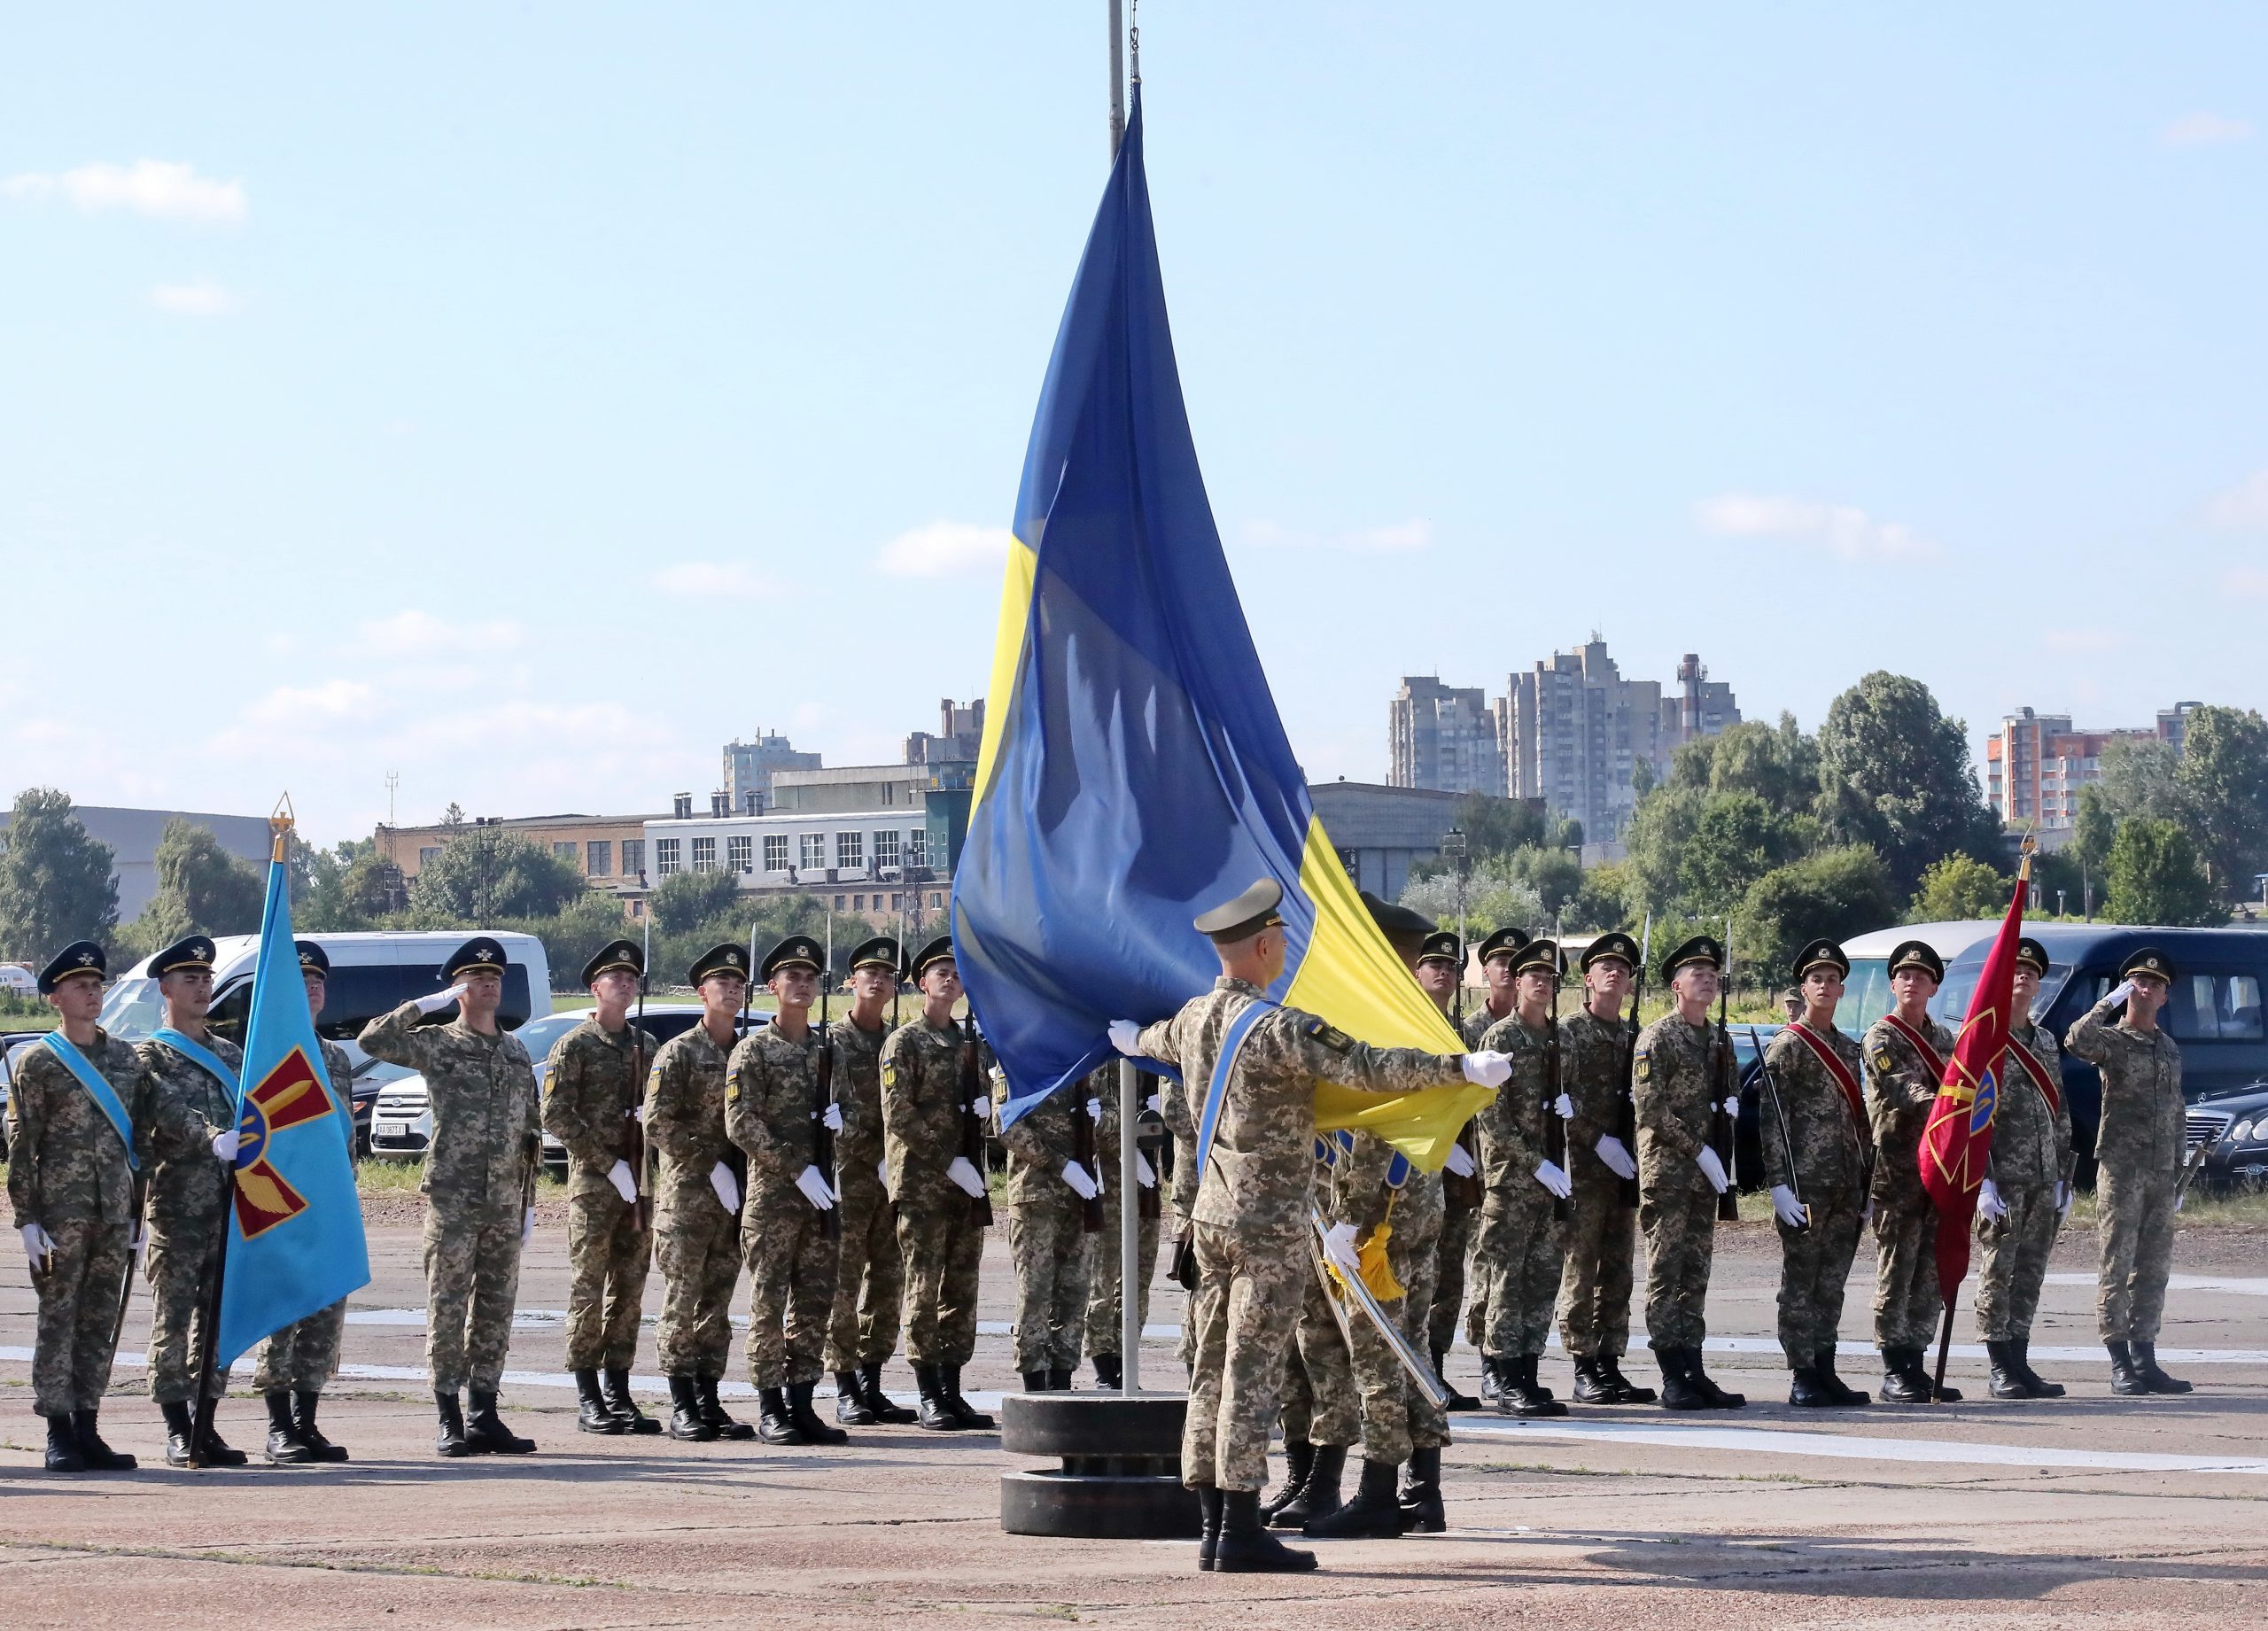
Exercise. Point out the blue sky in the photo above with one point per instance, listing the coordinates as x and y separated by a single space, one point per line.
527 399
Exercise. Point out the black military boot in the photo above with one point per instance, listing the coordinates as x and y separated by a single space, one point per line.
2146 1366
773 1424
851 1406
1058 1379
592 1413
807 1420
1208 1526
1421 1494
1805 1389
1902 1381
1245 1547
2125 1379
1037 1382
1490 1399
1523 1395
484 1430
1299 1460
2042 1387
1680 1390
685 1411
212 1450
1458 1401
712 1411
97 1456
970 1415
1109 1373
63 1446
1823 1363
1317 1495
449 1441
303 1418
2008 1378
614 1386
285 1447
1626 1391
885 1409
937 1413
1590 1386
1534 1382
1719 1398
181 1431
1374 1514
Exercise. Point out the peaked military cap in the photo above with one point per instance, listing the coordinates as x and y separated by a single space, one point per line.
1918 954
2148 960
80 957
1818 952
189 952
796 951
1442 946
1539 955
313 958
1399 924
1245 916
938 951
1700 948
616 954
476 955
729 958
879 953
1615 942
1503 943
2033 955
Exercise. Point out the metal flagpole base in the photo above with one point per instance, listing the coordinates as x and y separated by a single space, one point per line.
1121 1477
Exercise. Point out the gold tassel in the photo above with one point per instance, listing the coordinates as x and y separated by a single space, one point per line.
1376 1274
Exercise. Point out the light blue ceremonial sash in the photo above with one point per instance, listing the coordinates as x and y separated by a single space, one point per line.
1216 1091
197 1054
1398 1170
99 1089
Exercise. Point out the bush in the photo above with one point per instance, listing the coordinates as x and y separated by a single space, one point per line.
1837 892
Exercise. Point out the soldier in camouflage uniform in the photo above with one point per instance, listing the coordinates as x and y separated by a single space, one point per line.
73 1166
2021 1204
1047 1191
1181 1126
297 1361
592 1087
1495 953
1905 1050
2139 1147
1817 1148
1103 1309
1675 1076
1440 974
1596 1287
479 1186
697 1200
1521 1250
941 1195
869 1274
775 1109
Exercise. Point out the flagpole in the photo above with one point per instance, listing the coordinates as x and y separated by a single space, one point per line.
1117 76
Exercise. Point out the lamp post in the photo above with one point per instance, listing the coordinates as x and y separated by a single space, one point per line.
1458 854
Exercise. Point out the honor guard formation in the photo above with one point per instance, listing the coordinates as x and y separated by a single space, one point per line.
841 1161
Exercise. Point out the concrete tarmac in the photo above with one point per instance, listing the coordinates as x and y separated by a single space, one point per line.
2082 1513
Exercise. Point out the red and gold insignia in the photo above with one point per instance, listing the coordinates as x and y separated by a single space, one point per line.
290 1095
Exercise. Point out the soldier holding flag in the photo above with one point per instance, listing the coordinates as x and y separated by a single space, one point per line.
1906 1053
2021 1206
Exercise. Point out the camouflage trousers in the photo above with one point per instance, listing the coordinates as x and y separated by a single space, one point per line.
1396 1417
1246 1304
869 1279
943 1248
1103 1308
1519 1257
1602 1248
1321 1405
78 1308
607 1258
181 1270
791 1284
698 1248
1681 1227
472 1279
1048 1250
1815 1269
2014 1262
304 1355
1457 1231
1907 1303
2136 1209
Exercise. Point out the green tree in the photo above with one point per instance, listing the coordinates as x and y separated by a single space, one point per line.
573 936
2142 778
1556 877
1497 825
1494 898
2223 781
2092 829
1780 764
2158 877
688 900
484 873
1837 892
351 886
1894 774
55 882
202 889
1603 902
1961 887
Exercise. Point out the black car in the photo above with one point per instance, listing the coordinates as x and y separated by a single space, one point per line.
2231 1126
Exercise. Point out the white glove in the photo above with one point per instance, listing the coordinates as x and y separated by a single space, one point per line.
1989 1202
527 1227
1866 1212
2062 1201
1460 1161
1486 1069
1612 1152
882 1171
1154 1103
2125 990
1339 1249
1550 1175
141 1242
1564 1107
39 1247
626 1185
639 1115
1075 1176
1732 1106
1094 1109
1126 1036
1143 1174
832 1118
2178 1200
814 1185
980 1109
1786 1206
1712 1168
439 1000
727 1188
961 1173
225 1146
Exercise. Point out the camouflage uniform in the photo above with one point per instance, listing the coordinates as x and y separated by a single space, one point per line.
1900 1089
304 1356
696 1241
1251 1214
1602 1232
2032 1155
1823 1159
67 1172
478 1173
1181 1123
1321 1402
1103 1307
596 1079
1522 1247
869 1275
2140 1147
1046 1239
1474 1026
189 1190
771 1112
1674 1077
938 1233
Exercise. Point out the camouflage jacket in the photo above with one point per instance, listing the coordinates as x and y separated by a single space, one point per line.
1181 1120
340 1072
772 1106
1900 1089
1042 1139
1595 1074
685 1121
2143 1125
66 1164
1675 1078
1103 1084
482 1090
1513 1127
1261 1165
1832 1144
2030 1142
188 1184
858 1094
1478 1024
592 1086
923 1105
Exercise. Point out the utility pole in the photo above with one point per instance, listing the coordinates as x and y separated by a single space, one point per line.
393 781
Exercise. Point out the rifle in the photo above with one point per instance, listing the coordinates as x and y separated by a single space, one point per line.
132 1258
1766 1084
2194 1161
822 1135
1147 1201
633 1130
1083 1151
972 1129
1726 1085
1625 1112
1554 1127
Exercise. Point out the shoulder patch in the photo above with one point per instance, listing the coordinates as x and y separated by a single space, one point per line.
1642 1066
1330 1035
1882 1060
889 1070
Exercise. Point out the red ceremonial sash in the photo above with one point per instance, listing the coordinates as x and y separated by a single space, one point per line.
1920 1043
2041 1076
1826 1056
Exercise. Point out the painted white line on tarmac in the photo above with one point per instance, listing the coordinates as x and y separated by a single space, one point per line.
2181 1282
553 1319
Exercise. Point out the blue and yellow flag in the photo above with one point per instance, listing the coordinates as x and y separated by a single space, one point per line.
1134 772
295 1232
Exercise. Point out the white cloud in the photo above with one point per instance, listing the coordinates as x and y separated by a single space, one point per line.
2249 581
2085 642
945 549
147 187
421 633
1398 538
2203 130
326 704
1844 528
717 580
2244 505
198 300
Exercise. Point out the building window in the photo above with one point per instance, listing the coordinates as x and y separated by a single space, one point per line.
427 856
633 857
738 851
664 857
775 852
917 847
813 849
858 903
850 849
838 904
599 858
705 855
565 851
886 850
894 906
936 902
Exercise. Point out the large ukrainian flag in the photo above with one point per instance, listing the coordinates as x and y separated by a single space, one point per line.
1134 771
